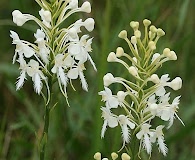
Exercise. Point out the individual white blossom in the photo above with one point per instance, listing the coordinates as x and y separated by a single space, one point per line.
109 120
145 136
159 138
37 75
80 50
22 49
43 49
77 71
59 69
46 17
111 101
125 124
163 82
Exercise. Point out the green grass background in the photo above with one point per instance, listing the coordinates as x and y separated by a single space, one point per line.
74 132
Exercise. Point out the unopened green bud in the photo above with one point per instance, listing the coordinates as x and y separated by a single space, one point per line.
114 156
153 29
133 71
119 52
146 22
134 25
97 156
155 79
173 56
112 57
133 40
160 32
176 83
125 156
137 34
167 52
123 34
152 45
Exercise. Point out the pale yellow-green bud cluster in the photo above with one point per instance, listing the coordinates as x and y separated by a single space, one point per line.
143 49
114 156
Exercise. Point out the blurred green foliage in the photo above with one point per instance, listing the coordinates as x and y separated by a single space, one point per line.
74 132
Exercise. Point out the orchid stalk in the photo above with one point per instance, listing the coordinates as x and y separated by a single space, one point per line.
57 55
143 98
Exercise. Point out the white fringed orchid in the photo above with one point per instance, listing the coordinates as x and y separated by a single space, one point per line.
143 97
57 53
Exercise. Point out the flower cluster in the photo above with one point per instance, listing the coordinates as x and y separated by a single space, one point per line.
57 54
144 97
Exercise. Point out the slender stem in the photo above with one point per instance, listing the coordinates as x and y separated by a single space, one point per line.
44 137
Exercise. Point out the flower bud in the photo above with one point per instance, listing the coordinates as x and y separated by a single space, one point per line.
97 156
125 156
73 4
152 45
45 15
134 25
123 34
108 79
121 96
133 40
151 35
155 56
155 79
72 33
153 29
114 156
86 7
105 159
132 70
119 52
176 83
166 52
18 18
89 24
160 32
173 56
137 34
112 57
146 22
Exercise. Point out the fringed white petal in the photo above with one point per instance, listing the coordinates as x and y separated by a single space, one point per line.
37 83
162 146
125 133
83 81
92 63
147 144
63 77
20 81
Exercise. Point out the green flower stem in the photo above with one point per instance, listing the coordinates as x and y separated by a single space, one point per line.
134 151
44 137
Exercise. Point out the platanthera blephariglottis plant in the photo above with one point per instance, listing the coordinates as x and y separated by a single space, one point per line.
57 54
143 98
